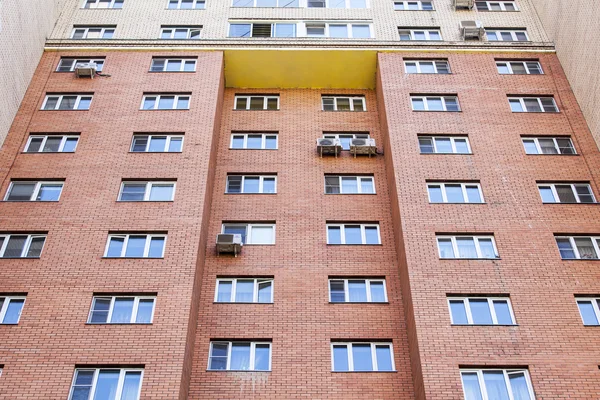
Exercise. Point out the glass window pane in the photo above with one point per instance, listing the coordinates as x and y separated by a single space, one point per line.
240 356
115 247
340 358
411 67
100 310
244 291
257 103
461 146
454 194
502 67
224 291
487 248
84 378
251 184
418 104
518 68
271 142
122 310
585 193
234 184
139 143
157 245
133 192
426 145
548 146
587 312
435 104
173 65
352 234
361 31
565 194
435 194
336 291
35 247
334 235
530 147
254 142
262 354
343 104
521 36
34 145
532 105
366 185
564 246
149 102
419 35
157 65
285 30
15 245
384 358
106 385
166 102
236 229
144 313
218 356
51 103
157 143
434 35
371 235
495 385
263 235
189 65
519 387
473 194
183 103
515 105
471 386
84 103
67 103
237 142
70 145
349 185
361 355
272 104
268 185
161 192
480 310
565 146
135 246
181 34
357 291
502 312
338 31
175 144
21 191
546 194
427 67
586 248
265 292
443 145
13 311
466 247
377 292
459 312
131 385
445 248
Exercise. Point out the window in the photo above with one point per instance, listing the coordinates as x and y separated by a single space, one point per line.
589 308
106 383
444 145
341 184
180 32
146 191
519 67
122 309
10 309
103 4
186 4
251 184
68 64
506 35
266 3
346 138
344 103
419 34
239 356
67 102
548 145
566 193
501 384
302 3
254 141
467 247
244 290
578 247
93 32
533 104
427 67
17 245
34 191
496 6
262 30
51 144
257 102
165 102
173 65
481 311
353 234
338 30
156 143
135 246
454 192
362 356
357 291
413 5
434 103
252 233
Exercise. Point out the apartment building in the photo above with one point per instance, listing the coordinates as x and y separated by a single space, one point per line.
365 199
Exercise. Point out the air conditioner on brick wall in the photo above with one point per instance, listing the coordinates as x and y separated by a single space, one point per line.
229 243
463 4
86 69
329 146
471 30
363 146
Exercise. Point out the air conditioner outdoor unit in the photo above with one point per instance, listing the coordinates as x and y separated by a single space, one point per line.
86 69
463 4
471 30
229 243
363 146
329 146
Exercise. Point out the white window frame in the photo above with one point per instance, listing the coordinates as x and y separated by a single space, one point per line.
149 185
45 138
263 142
508 65
367 287
120 383
426 31
452 143
463 186
257 282
373 355
249 228
158 97
304 4
4 308
506 373
539 100
86 29
435 67
126 236
358 178
501 3
425 100
556 146
573 189
194 3
247 98
350 100
183 60
574 248
60 99
302 28
595 307
26 246
150 136
97 61
188 34
111 5
513 34
475 241
260 183
134 310
363 235
466 302
36 190
252 360
404 4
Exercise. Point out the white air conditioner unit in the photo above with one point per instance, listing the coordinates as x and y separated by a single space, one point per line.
86 69
463 4
363 146
229 243
471 30
329 146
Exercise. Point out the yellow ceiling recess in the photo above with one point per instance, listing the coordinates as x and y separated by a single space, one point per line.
288 69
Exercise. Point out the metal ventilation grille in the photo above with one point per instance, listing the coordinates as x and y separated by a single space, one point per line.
261 30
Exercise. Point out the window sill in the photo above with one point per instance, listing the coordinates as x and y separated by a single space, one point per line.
580 259
133 258
535 112
447 154
552 154
155 152
235 370
234 148
577 204
171 72
435 111
486 325
30 201
118 323
357 111
361 372
10 324
236 109
145 201
47 152
457 203
267 194
64 110
350 194
167 109
258 244
359 244
19 258
240 302
359 302
478 259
